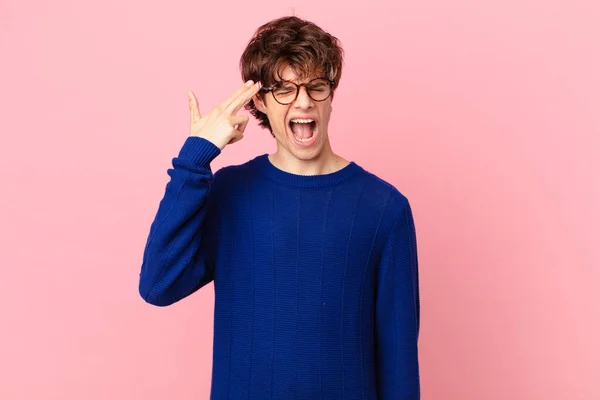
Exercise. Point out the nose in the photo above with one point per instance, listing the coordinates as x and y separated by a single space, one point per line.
303 100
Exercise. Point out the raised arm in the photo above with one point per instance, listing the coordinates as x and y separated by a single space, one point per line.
179 250
177 259
398 313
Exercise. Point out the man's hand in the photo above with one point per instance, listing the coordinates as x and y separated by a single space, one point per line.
222 126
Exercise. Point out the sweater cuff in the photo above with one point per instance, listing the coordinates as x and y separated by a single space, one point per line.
199 150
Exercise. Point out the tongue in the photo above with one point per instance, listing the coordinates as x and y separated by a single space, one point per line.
303 131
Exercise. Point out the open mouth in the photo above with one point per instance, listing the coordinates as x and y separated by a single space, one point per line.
303 130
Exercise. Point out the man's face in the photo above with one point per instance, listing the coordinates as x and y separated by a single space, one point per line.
302 141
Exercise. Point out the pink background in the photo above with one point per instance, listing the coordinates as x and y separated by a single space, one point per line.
485 114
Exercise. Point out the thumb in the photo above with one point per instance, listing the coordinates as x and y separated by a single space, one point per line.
193 103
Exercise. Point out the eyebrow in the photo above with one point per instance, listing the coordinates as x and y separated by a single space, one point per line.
307 81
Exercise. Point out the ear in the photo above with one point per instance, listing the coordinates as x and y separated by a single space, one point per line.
260 105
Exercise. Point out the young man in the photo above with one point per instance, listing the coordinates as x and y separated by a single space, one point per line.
314 259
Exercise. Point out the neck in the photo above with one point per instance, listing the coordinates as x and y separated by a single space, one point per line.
325 163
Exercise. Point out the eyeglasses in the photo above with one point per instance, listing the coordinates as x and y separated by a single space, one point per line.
286 92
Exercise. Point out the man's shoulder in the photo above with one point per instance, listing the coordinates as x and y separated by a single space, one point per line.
377 186
232 176
234 171
380 195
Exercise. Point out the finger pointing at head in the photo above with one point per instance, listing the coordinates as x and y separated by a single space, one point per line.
243 98
236 94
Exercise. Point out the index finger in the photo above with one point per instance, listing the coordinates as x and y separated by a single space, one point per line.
243 98
236 94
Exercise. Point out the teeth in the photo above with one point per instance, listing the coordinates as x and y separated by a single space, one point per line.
302 121
303 140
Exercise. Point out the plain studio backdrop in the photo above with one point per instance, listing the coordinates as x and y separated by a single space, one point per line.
486 115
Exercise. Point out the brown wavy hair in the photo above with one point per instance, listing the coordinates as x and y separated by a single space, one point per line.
305 47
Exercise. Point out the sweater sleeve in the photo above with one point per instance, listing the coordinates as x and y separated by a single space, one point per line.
398 313
177 255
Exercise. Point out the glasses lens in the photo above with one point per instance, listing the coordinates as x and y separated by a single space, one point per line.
318 89
285 92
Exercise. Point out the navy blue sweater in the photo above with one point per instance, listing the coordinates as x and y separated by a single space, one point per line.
315 277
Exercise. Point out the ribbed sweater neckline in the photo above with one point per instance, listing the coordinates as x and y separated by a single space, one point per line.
264 165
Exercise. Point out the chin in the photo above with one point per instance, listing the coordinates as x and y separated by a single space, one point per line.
304 152
306 155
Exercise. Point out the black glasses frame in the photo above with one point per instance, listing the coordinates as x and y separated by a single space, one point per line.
271 88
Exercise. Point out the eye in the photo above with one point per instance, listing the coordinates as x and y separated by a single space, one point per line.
285 89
